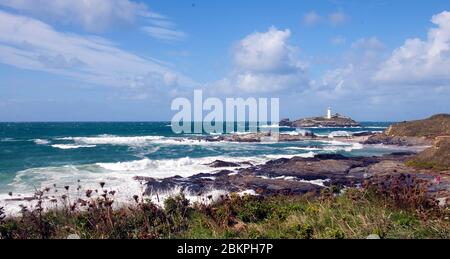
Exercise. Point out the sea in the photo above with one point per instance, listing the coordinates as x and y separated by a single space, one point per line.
83 154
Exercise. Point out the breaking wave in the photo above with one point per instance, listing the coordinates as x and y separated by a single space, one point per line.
69 146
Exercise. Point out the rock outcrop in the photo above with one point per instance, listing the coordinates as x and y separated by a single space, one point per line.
336 121
382 138
306 175
261 137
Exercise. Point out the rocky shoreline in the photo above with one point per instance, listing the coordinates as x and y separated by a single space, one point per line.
300 175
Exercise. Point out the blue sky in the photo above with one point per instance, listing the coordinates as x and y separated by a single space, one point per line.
115 60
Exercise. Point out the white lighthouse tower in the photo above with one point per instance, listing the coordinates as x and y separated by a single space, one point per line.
329 113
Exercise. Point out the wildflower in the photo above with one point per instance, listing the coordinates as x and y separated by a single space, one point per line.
437 179
66 187
136 198
102 184
88 193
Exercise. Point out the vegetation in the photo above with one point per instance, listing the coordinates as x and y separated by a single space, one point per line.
436 157
390 211
437 125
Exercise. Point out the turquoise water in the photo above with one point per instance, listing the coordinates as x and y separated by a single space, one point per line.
35 155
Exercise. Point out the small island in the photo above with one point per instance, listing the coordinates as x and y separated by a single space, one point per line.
328 121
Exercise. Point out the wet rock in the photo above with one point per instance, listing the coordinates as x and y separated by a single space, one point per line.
220 163
300 175
262 137
285 123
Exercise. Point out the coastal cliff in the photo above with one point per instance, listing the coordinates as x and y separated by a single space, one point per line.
433 132
414 133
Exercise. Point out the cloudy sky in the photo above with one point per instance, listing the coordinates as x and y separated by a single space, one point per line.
115 60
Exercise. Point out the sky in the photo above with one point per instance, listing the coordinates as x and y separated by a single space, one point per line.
126 60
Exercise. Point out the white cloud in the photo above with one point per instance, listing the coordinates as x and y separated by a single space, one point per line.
354 77
372 43
31 44
334 18
265 62
91 14
338 40
408 79
312 18
338 18
421 61
162 33
98 15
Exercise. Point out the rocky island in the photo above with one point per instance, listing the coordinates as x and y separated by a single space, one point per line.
330 121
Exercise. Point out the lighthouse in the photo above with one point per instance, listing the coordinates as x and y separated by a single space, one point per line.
329 113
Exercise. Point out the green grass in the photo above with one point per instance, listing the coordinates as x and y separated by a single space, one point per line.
355 214
426 165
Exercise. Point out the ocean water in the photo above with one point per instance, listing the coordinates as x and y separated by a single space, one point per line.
37 155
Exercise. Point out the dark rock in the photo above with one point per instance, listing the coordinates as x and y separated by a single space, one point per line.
335 121
291 176
363 134
285 123
220 163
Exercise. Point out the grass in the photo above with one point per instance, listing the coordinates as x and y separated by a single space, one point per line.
356 213
426 165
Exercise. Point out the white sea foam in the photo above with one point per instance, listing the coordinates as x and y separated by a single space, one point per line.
304 148
113 140
7 140
337 146
136 141
296 133
41 141
274 126
318 182
304 155
69 146
339 133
